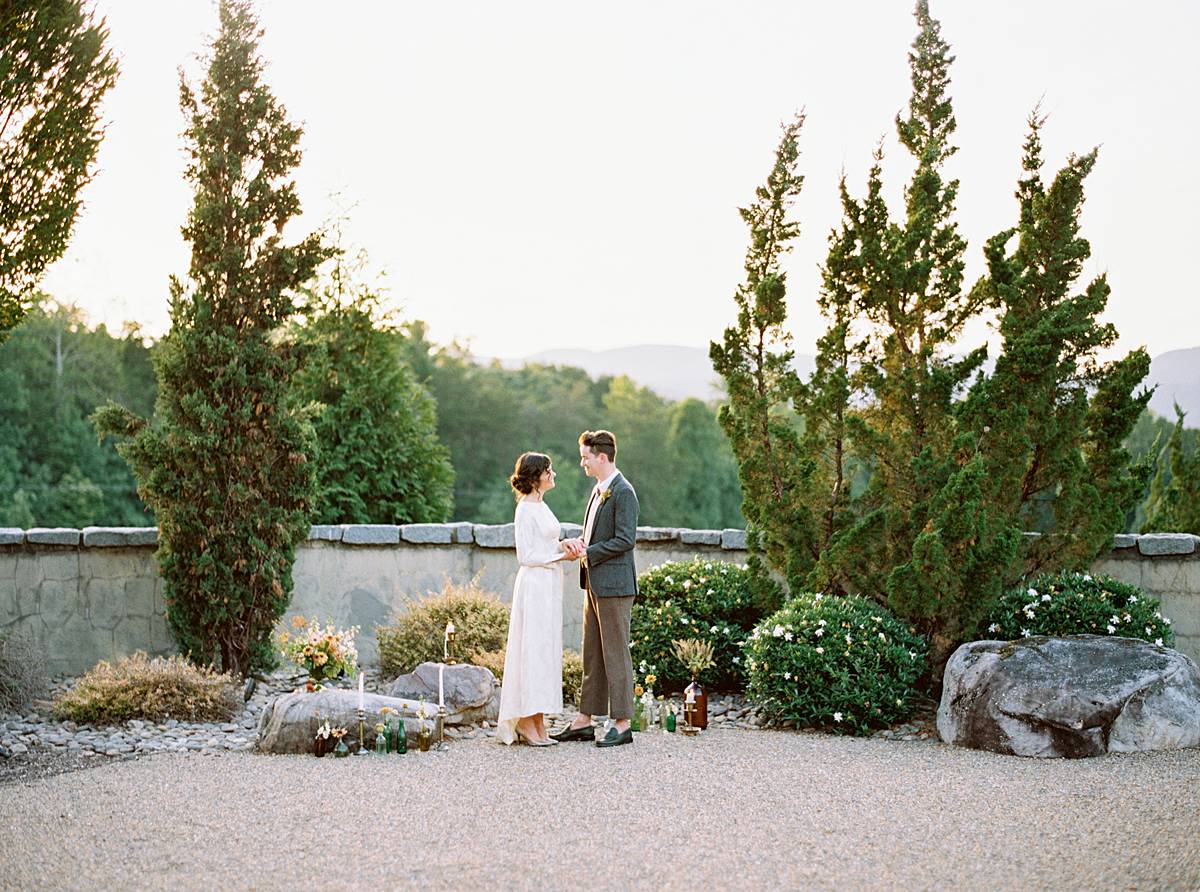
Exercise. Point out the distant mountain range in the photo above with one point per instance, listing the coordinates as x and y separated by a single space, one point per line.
680 372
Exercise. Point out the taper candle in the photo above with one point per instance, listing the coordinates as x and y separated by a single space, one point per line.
360 689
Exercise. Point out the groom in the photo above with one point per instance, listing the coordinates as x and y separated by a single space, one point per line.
608 576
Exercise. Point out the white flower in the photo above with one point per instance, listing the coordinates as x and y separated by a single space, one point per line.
821 622
787 636
1029 614
1128 618
1025 633
819 632
1147 630
712 629
687 584
670 580
1167 621
1133 599
837 716
777 631
737 660
994 627
912 654
1114 619
1111 628
684 620
1045 597
712 591
1158 641
1033 593
882 637
849 640
1087 577
820 650
787 676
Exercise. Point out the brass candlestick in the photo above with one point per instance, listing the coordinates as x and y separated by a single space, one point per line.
448 644
442 746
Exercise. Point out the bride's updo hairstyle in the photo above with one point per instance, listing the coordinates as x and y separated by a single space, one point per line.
528 472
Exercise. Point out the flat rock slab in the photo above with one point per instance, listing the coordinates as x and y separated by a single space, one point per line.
289 724
500 535
52 536
371 534
1167 543
470 691
1081 695
119 537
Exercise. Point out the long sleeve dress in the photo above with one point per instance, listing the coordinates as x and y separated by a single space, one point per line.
533 657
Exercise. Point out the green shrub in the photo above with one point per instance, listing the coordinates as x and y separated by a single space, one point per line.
479 616
572 670
714 601
1079 604
844 664
22 672
139 687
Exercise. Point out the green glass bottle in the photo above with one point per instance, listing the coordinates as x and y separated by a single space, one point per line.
663 713
671 721
636 723
401 736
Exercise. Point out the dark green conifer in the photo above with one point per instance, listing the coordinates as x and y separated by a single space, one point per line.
225 463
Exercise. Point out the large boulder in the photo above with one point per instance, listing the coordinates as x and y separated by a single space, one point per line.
1081 695
289 724
471 692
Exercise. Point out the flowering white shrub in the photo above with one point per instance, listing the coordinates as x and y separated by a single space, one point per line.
844 664
713 601
1071 603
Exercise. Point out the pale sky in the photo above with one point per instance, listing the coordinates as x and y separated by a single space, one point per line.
509 167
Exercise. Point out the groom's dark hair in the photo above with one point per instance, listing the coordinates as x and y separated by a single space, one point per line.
600 442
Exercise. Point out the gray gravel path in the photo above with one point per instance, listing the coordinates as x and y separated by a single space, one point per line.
730 810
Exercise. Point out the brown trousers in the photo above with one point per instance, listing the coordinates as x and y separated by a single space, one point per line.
607 664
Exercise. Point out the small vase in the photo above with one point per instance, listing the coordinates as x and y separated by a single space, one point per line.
320 746
401 738
341 750
695 705
424 738
635 723
381 746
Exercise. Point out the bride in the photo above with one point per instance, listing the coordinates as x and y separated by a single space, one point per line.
533 659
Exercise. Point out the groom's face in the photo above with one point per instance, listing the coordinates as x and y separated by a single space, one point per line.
593 465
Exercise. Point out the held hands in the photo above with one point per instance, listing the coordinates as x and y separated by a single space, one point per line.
574 549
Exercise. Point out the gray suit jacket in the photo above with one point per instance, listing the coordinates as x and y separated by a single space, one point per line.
610 569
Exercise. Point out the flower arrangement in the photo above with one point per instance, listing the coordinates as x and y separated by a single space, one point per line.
323 652
695 654
324 732
1071 603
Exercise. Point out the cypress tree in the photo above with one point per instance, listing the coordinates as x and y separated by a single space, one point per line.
54 72
1174 502
899 470
225 461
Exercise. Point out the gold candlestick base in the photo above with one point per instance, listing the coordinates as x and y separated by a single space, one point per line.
362 747
441 729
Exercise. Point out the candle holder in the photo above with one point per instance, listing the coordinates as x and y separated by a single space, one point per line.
362 746
441 746
448 644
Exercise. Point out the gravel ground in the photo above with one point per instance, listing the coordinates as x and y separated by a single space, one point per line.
730 809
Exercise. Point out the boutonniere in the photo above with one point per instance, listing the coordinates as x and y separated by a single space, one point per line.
604 496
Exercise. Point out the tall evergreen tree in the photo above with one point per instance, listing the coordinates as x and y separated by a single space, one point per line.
1174 502
953 470
54 70
378 458
225 462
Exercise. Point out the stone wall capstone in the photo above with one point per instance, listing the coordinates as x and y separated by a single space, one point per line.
87 595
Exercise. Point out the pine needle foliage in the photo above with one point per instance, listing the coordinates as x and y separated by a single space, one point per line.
225 461
55 68
900 470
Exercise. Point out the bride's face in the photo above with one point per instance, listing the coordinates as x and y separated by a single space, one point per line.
546 481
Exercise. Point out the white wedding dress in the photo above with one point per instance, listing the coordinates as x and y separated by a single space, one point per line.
533 657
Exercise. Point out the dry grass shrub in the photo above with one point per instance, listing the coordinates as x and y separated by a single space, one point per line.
416 636
22 672
141 687
572 670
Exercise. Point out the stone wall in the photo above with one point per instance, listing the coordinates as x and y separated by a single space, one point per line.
86 595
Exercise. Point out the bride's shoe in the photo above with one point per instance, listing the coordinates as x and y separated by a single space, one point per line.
528 741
